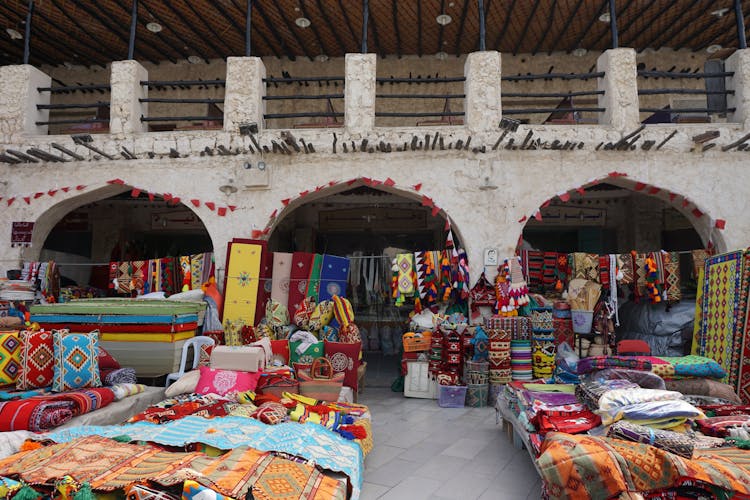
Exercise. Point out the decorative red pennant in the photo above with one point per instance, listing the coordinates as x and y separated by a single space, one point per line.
318 188
564 196
367 181
389 182
697 213
38 195
435 211
266 230
222 211
522 219
232 207
640 186
351 181
581 190
546 204
538 215
81 187
52 192
273 215
65 189
376 182
332 183
175 200
255 234
617 174
285 201
167 196
115 181
196 203
210 204
150 196
304 193
672 196
27 199
685 202
720 223
135 193
11 200
654 190
417 187
427 201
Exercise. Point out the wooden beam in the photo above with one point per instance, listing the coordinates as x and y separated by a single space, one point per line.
721 33
108 56
378 47
740 20
323 48
27 36
585 30
248 28
504 29
625 7
271 46
546 31
396 32
459 34
525 28
292 29
613 24
170 26
365 21
272 28
335 32
133 27
441 30
348 22
649 24
565 27
223 53
419 28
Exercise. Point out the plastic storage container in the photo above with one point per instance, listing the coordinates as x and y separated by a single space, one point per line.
417 382
451 396
582 320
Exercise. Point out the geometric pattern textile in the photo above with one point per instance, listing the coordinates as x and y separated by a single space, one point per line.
76 360
313 442
241 280
672 276
10 358
37 360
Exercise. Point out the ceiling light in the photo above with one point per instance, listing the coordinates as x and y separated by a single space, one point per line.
321 58
605 17
720 12
713 48
302 22
194 59
153 27
13 34
579 52
442 55
443 19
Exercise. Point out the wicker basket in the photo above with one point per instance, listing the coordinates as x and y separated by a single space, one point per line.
417 342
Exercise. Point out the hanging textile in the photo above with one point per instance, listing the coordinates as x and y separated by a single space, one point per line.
334 274
625 265
446 276
265 283
404 277
462 280
585 266
672 281
699 259
241 280
549 276
313 286
532 263
300 272
167 276
427 278
185 282
282 269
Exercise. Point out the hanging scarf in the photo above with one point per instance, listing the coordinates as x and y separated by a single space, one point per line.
404 277
446 277
462 281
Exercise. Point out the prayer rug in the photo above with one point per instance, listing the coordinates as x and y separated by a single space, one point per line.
241 280
300 272
282 269
334 274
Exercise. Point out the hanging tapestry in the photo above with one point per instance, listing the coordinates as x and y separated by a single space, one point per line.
241 280
282 270
265 283
334 274
313 282
300 272
585 266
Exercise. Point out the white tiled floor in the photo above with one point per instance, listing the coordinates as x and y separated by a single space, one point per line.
424 451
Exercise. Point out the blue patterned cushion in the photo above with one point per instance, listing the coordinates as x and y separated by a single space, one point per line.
76 361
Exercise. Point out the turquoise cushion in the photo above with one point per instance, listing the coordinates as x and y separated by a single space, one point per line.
76 360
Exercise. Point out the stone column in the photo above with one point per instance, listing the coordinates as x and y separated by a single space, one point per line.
482 107
125 108
243 99
739 63
359 93
620 88
18 101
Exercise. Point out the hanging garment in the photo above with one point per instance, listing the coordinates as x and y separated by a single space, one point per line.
405 277
334 273
282 269
299 274
313 282
241 281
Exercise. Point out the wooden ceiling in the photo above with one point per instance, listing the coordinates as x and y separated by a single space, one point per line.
94 32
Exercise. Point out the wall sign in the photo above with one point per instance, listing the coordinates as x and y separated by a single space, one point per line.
20 235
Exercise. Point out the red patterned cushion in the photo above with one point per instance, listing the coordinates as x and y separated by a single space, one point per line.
204 356
37 360
222 382
345 358
281 347
10 358
107 361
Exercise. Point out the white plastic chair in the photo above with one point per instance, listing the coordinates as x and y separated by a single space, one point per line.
195 343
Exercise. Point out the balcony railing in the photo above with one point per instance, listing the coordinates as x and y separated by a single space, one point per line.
288 107
203 113
76 117
420 105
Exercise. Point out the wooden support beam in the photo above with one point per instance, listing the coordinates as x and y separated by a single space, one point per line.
525 28
348 23
564 30
649 24
230 18
504 29
545 32
333 30
585 30
291 29
272 28
314 28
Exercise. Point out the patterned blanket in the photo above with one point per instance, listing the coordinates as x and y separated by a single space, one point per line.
588 467
313 442
41 413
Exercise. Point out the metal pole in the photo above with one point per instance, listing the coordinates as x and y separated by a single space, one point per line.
365 15
27 35
133 26
248 25
481 25
613 24
740 23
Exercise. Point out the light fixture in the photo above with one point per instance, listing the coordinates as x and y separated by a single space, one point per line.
579 52
321 58
302 22
711 49
228 189
153 27
442 55
487 186
605 17
443 19
194 59
13 34
720 12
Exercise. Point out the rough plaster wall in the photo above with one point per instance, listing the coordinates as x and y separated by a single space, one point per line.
19 82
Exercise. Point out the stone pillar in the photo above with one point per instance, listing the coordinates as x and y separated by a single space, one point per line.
739 63
18 101
359 92
620 88
125 108
243 99
482 107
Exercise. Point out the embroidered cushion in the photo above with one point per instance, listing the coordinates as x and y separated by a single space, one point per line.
107 361
344 358
270 413
277 313
184 385
342 310
307 356
280 349
76 360
204 355
321 316
37 360
10 358
221 382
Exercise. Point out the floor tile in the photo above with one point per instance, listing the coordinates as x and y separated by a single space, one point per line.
371 491
391 473
463 485
423 451
413 488
438 466
380 455
465 448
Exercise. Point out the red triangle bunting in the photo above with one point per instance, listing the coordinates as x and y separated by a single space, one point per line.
564 196
538 215
285 201
150 196
196 203
65 189
210 204
417 187
640 186
175 200
135 193
435 211
389 182
720 224
27 199
581 190
672 196
697 213
654 190
11 200
273 215
546 204
115 181
52 192
38 195
221 211
255 234
81 187
232 207
522 219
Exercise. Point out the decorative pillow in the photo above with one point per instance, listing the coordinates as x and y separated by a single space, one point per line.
107 361
222 382
303 313
281 348
204 355
276 313
350 334
270 413
321 316
10 358
37 360
184 385
329 333
342 310
307 356
76 360
344 357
